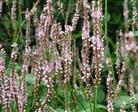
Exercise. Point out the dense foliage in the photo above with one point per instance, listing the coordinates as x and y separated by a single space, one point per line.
68 56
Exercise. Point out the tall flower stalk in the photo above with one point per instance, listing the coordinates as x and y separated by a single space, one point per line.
85 68
126 12
110 93
13 13
134 14
14 89
132 93
25 65
76 15
37 73
97 45
4 83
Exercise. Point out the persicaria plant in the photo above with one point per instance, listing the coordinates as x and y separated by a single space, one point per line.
68 56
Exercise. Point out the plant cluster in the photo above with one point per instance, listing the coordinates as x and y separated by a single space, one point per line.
51 73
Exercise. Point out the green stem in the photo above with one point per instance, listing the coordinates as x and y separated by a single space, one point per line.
105 21
17 33
66 98
74 72
51 109
68 12
107 40
59 99
90 105
95 99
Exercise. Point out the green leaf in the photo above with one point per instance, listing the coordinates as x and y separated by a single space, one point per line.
122 99
136 98
30 90
101 96
30 78
136 33
101 107
77 35
59 110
